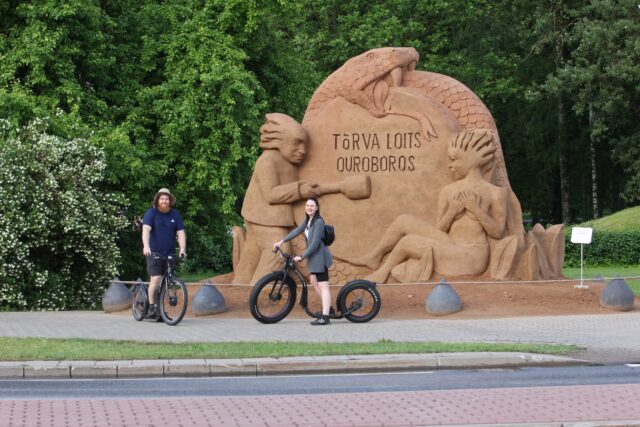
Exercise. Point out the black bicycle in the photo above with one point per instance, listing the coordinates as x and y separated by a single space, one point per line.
274 296
171 295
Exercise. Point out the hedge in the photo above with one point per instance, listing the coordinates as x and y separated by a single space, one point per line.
606 248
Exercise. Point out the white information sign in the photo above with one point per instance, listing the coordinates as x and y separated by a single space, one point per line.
581 235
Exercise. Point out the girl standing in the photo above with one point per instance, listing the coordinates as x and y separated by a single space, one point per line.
319 256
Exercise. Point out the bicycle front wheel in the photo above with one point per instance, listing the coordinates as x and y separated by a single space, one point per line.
140 302
173 301
272 298
361 300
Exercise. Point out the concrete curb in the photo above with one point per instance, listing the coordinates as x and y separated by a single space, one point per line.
277 366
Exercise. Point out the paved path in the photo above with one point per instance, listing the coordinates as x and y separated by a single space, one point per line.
610 332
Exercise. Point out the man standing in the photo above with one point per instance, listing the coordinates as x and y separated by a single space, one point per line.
160 226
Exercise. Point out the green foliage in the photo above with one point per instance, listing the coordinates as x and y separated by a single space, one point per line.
174 92
606 248
57 228
615 241
602 74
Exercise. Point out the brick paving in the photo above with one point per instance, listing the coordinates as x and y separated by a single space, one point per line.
597 405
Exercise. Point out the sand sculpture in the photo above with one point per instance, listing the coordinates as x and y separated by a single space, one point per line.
274 187
409 169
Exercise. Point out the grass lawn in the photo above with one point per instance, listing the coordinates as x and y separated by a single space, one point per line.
23 349
608 273
196 276
624 220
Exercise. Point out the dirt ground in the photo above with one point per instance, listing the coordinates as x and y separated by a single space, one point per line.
479 300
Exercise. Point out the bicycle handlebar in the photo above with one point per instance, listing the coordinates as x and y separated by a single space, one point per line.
158 256
282 253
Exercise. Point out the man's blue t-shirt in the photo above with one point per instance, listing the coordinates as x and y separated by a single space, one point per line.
164 227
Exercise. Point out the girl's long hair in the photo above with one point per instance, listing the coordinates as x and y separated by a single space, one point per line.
317 214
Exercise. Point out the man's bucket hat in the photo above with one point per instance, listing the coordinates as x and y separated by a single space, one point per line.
172 198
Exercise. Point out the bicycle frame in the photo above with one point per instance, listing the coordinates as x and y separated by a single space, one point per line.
290 265
168 273
165 292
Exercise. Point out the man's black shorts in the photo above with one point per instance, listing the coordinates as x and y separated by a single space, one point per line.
322 277
155 266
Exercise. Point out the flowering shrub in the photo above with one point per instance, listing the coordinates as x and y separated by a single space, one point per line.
57 229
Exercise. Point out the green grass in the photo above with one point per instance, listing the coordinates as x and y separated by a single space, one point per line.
624 220
607 273
196 276
23 349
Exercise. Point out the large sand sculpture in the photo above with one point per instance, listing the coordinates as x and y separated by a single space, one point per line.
409 170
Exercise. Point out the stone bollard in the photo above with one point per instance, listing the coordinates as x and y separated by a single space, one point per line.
617 296
117 297
443 300
208 300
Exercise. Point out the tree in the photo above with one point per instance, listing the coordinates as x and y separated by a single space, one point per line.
57 228
604 80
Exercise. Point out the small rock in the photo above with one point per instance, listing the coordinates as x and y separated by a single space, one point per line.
208 300
117 297
443 300
617 296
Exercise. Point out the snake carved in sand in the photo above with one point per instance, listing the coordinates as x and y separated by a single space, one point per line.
365 81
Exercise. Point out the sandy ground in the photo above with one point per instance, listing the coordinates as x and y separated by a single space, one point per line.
479 300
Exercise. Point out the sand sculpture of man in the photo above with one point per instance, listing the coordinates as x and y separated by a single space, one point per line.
267 209
470 210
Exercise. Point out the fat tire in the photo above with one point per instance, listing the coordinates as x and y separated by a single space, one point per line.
140 302
370 291
272 279
170 318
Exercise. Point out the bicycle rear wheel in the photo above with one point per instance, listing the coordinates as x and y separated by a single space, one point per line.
173 301
140 302
272 298
362 299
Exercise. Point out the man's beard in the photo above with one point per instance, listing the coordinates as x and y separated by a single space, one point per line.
164 208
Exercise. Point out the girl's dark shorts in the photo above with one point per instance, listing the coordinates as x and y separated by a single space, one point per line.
322 277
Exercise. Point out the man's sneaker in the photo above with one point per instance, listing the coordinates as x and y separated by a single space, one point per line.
152 312
324 320
318 314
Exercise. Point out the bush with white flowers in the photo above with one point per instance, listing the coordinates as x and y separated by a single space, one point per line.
57 229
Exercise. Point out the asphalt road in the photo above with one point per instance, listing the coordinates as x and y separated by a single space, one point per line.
320 384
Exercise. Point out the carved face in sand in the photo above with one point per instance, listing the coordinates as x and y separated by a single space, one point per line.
293 145
287 135
470 150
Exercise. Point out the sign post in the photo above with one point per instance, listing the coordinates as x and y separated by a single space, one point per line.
581 235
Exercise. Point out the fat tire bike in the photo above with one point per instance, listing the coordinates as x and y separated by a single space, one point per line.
274 295
171 296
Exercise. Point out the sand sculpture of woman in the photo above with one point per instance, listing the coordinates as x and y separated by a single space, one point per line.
469 211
